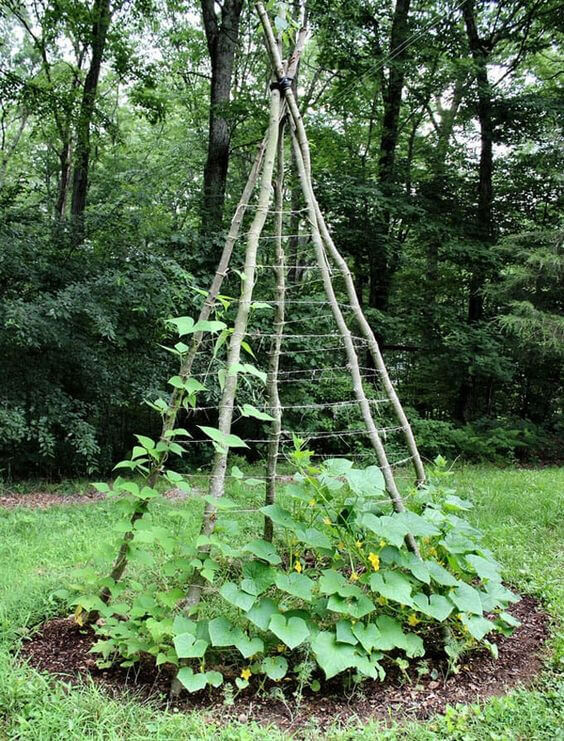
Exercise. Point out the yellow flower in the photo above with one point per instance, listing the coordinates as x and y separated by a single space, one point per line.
340 545
412 619
382 543
246 673
381 601
374 560
312 502
298 567
280 648
327 521
354 576
432 551
358 543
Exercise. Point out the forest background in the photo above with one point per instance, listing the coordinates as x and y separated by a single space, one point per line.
127 130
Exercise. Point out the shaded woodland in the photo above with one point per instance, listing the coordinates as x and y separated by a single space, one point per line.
127 130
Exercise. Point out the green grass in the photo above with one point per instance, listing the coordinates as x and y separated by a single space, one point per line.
519 511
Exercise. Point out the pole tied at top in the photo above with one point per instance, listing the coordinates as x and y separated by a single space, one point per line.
283 84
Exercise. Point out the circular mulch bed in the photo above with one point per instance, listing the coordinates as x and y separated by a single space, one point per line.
61 647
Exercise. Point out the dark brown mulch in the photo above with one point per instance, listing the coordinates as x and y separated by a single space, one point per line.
62 648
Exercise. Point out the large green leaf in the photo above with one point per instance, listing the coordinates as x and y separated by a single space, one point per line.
281 516
263 549
386 527
478 627
187 647
275 667
258 577
457 543
333 657
248 410
223 633
488 570
467 599
345 633
223 439
356 607
314 538
291 631
440 575
436 606
392 585
369 635
332 582
415 524
236 596
194 682
496 595
367 481
262 611
392 636
299 585
249 646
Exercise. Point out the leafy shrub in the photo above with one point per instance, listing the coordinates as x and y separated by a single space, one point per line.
337 587
495 440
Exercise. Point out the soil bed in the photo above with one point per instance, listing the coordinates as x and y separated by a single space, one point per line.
62 648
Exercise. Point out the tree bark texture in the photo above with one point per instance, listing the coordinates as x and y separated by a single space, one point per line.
101 15
483 232
383 260
222 34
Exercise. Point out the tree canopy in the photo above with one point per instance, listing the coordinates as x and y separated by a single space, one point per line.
126 134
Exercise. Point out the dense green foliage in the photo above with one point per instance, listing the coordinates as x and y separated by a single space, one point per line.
518 511
469 316
336 591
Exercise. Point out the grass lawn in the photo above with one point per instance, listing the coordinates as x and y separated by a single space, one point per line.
520 512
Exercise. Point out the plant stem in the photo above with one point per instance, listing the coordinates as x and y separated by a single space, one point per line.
169 419
274 359
217 478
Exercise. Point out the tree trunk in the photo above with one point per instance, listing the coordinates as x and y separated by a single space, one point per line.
101 15
483 229
383 260
222 37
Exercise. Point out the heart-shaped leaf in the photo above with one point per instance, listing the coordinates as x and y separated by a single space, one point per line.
187 647
292 632
436 606
275 667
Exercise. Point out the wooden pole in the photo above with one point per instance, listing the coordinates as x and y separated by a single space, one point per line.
169 419
365 327
217 478
345 332
274 358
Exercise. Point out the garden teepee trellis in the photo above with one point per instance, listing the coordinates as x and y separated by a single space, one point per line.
268 170
326 254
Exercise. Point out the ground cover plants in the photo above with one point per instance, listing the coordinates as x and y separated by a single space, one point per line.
518 510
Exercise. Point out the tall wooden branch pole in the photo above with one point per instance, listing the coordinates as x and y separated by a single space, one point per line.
281 73
366 331
345 332
338 258
217 478
169 420
274 358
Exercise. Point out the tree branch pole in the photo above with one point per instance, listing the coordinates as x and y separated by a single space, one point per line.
274 358
169 419
338 258
345 332
217 478
366 331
